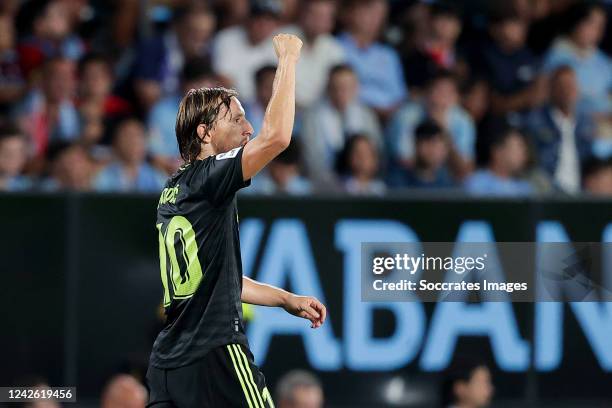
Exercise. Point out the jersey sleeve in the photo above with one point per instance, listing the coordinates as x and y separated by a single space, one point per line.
224 176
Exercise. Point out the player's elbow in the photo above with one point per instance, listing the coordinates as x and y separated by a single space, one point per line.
280 141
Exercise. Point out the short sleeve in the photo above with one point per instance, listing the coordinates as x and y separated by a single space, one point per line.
224 176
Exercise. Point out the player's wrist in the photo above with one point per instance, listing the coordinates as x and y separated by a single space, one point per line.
285 299
289 58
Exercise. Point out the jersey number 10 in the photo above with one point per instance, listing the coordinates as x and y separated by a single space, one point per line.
177 244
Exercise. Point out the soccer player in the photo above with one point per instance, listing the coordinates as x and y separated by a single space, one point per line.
201 358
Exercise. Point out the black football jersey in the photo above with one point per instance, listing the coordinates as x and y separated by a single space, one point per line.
199 253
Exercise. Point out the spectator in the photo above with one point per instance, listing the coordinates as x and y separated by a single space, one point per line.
255 110
437 50
40 385
70 168
13 156
12 84
299 389
430 169
467 385
163 148
49 34
563 135
507 160
378 66
239 51
327 125
413 18
441 103
282 175
50 114
129 171
475 98
231 12
579 49
510 67
320 50
98 106
597 179
123 391
358 164
161 59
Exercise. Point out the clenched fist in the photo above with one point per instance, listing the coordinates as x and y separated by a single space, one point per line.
287 45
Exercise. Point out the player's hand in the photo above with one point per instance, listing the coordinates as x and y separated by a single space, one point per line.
287 45
307 307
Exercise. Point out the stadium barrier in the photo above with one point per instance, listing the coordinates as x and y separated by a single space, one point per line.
82 293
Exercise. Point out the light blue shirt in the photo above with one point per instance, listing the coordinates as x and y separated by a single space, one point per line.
114 179
594 73
161 121
379 70
263 184
400 132
255 114
18 183
485 183
68 126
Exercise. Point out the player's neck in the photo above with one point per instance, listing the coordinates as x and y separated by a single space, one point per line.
206 151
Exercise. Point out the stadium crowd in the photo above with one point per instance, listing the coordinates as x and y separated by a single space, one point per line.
508 98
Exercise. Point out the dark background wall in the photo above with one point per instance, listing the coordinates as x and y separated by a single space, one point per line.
81 291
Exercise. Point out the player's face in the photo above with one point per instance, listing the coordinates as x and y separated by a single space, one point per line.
232 129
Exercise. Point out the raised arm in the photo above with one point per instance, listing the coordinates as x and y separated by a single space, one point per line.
306 307
277 125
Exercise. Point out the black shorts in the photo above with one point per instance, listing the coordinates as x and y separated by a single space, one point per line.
225 377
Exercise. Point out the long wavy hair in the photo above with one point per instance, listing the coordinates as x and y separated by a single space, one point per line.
199 107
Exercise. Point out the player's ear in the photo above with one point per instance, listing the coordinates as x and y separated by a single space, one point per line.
203 135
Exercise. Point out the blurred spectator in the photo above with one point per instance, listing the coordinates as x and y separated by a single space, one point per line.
160 59
430 169
123 391
99 108
327 125
13 156
70 168
239 51
475 98
437 50
467 385
579 49
282 175
441 103
255 110
129 171
414 22
231 12
507 161
9 7
49 34
320 50
510 67
290 10
378 66
299 389
43 386
597 177
562 134
50 114
358 164
11 80
163 147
